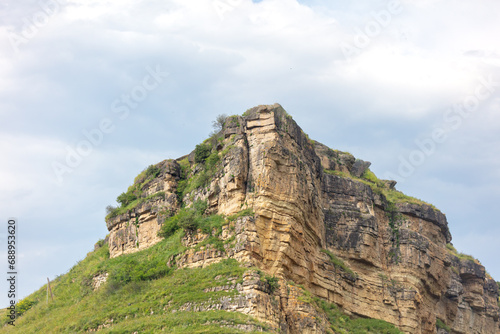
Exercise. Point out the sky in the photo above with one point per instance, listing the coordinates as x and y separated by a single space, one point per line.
92 92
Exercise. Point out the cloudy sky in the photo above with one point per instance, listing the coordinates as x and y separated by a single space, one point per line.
92 92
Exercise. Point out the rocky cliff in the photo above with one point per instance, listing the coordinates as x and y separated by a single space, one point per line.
320 221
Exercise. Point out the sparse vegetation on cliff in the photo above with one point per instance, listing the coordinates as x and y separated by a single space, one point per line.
341 323
338 263
201 152
193 218
142 290
498 283
338 173
380 187
272 282
462 256
207 160
134 195
392 198
133 299
441 325
190 219
392 195
395 222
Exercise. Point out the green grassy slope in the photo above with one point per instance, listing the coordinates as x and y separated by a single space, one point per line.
144 295
131 299
144 292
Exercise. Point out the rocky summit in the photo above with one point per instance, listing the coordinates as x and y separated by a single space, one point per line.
317 243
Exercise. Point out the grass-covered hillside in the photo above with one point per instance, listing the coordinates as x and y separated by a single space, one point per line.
146 293
142 294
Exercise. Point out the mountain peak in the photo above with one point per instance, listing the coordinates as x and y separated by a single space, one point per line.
313 206
305 239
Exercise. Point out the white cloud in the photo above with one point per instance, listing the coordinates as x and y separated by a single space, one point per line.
64 79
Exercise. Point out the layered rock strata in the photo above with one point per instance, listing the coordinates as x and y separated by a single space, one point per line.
138 228
313 208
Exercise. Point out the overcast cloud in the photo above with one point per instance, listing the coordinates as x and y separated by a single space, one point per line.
144 80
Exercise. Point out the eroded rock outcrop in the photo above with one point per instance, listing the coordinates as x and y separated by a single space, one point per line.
322 221
138 227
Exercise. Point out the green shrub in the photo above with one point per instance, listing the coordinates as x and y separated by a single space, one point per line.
135 194
24 305
452 249
441 325
181 188
149 173
232 121
126 198
272 283
201 179
202 152
212 160
152 172
339 263
226 150
185 167
200 207
169 227
191 219
337 173
100 243
186 218
341 323
396 196
133 270
460 255
370 176
142 266
208 224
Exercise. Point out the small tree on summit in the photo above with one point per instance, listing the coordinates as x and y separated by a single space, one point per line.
218 124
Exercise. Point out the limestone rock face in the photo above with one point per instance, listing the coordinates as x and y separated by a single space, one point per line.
138 228
313 210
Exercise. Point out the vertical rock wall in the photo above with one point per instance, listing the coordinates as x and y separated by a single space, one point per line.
400 268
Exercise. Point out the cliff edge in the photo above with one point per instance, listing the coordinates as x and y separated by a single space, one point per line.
316 219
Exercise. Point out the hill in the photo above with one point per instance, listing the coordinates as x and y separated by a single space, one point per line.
261 229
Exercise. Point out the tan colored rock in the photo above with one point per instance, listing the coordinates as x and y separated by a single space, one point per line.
138 228
402 274
99 280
